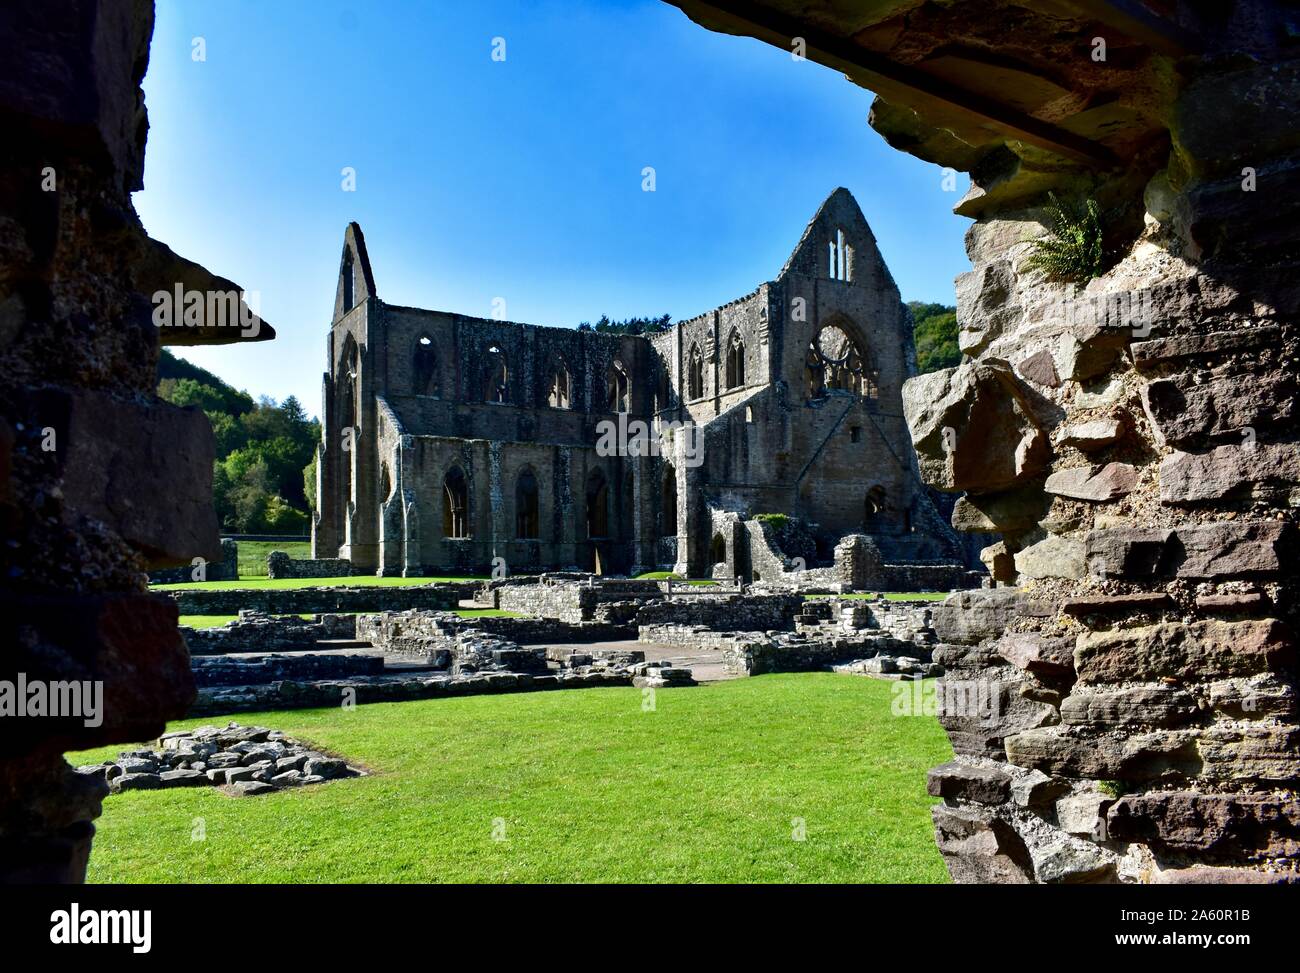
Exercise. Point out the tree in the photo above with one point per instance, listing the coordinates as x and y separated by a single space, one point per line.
934 329
309 481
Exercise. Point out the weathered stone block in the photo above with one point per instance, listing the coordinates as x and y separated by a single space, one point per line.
955 779
1186 415
1039 654
1210 649
1222 826
1226 549
1110 482
1169 754
1053 557
980 848
1258 469
974 428
1092 435
145 470
1154 706
1260 752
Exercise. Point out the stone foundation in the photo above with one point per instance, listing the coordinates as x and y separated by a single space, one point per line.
281 565
442 596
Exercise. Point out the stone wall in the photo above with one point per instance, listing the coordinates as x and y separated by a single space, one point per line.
217 671
255 631
442 596
281 565
725 613
757 653
572 601
411 631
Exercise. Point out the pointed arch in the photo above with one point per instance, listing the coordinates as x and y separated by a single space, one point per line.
527 521
838 361
349 275
558 384
841 257
874 508
735 361
455 504
424 366
597 494
350 362
496 371
695 373
616 387
668 496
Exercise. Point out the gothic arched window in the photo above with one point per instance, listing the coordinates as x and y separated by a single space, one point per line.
835 362
557 389
695 373
617 388
597 505
735 361
496 386
424 367
455 504
526 519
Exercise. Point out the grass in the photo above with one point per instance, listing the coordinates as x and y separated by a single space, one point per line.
709 787
212 621
359 580
672 576
252 555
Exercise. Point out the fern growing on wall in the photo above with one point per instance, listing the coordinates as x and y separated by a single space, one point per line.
1072 252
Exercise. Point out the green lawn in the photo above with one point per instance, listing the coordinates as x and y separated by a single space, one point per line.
252 554
672 576
359 580
212 621
709 787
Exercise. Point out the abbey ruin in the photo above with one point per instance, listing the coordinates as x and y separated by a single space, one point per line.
452 441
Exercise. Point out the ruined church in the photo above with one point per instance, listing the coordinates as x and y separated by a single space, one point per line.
452 441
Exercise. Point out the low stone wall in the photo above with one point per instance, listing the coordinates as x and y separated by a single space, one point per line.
756 653
441 596
291 694
729 612
860 566
566 602
281 565
392 629
226 569
220 671
575 601
255 631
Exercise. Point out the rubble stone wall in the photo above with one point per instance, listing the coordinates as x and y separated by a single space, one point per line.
281 565
304 601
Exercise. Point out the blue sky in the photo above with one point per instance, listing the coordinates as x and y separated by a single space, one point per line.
519 179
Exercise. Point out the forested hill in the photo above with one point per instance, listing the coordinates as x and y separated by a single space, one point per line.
264 476
935 331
